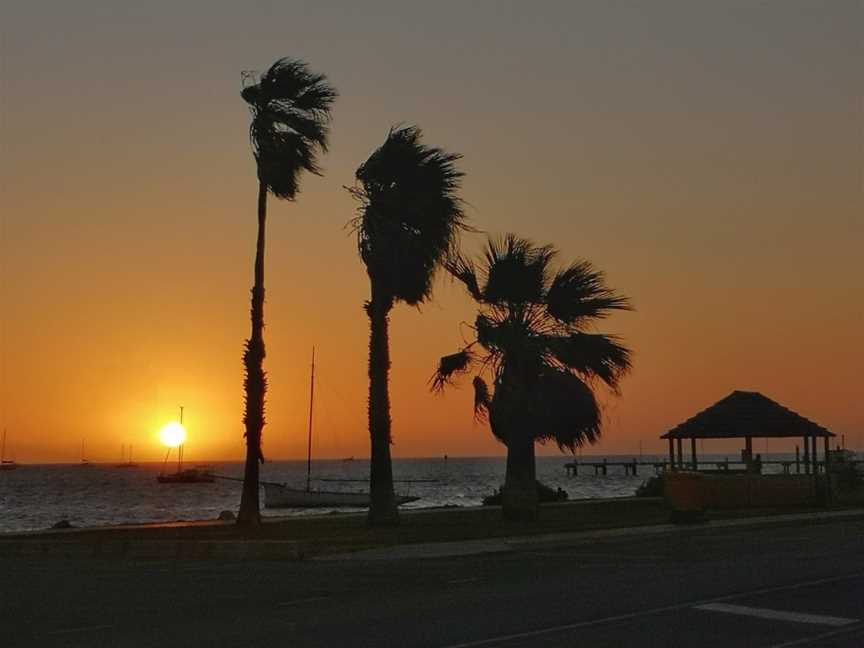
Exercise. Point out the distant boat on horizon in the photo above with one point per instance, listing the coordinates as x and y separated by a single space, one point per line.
5 464
124 461
84 462
283 496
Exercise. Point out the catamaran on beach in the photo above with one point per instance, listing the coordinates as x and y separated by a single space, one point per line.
278 495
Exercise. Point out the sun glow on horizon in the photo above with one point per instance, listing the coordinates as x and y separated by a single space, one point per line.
172 434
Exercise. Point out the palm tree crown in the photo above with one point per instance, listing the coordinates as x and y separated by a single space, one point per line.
531 339
290 108
410 215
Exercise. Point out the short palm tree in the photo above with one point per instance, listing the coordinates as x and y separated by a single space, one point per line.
407 226
290 108
531 342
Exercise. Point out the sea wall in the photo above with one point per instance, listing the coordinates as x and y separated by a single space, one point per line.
695 491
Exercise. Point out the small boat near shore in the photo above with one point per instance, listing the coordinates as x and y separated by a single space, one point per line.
283 496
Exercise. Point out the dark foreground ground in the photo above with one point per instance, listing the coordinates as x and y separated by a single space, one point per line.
670 590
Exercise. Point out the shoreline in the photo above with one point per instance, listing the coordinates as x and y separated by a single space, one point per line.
424 532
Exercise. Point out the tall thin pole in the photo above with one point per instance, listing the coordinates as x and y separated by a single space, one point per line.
180 449
309 443
3 446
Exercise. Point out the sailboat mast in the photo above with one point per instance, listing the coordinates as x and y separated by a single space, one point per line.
309 443
3 447
180 449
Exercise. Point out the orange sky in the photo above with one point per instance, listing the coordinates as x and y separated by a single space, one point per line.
708 159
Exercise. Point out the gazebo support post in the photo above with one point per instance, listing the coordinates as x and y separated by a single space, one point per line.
671 454
680 454
797 459
806 456
748 451
815 455
693 453
828 492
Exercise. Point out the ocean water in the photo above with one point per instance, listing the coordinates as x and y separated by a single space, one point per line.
37 496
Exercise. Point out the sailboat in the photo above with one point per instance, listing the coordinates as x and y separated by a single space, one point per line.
196 475
5 464
124 461
84 462
283 496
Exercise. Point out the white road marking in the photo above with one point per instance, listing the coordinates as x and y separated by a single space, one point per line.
820 638
650 612
775 615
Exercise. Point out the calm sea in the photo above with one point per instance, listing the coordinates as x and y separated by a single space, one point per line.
37 496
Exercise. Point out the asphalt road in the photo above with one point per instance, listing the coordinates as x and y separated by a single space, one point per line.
768 587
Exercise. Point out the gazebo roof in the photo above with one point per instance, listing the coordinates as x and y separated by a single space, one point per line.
746 414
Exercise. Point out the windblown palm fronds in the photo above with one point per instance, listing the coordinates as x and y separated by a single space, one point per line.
408 224
290 109
290 126
531 342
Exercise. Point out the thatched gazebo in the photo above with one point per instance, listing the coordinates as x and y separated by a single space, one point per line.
746 415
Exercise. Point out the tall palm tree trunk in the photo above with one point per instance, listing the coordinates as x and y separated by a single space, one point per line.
519 497
256 381
382 508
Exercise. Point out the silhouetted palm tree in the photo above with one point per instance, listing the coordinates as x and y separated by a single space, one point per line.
408 224
290 108
531 340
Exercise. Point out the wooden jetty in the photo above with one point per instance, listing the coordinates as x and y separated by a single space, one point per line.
726 465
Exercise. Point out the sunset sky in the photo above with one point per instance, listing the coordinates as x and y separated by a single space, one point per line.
707 155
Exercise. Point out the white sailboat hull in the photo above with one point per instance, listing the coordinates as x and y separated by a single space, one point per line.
282 496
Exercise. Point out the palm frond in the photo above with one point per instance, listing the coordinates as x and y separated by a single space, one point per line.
494 335
410 215
516 270
482 399
290 108
592 355
464 270
450 366
579 293
565 411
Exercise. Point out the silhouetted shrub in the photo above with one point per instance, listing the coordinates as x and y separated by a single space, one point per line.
848 477
652 487
544 494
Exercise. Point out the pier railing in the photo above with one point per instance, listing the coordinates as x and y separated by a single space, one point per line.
632 466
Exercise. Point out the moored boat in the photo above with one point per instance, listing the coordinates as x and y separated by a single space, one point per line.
5 464
196 475
126 462
283 496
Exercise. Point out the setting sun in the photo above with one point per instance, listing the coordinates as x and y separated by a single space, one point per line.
173 434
